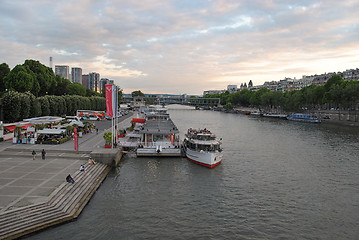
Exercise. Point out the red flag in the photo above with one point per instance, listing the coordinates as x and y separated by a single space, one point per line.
76 139
108 93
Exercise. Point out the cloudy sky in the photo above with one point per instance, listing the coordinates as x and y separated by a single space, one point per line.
184 46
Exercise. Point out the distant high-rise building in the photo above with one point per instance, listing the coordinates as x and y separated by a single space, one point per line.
76 75
63 71
103 83
94 82
85 81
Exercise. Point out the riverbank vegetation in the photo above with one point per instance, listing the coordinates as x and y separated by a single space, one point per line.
336 93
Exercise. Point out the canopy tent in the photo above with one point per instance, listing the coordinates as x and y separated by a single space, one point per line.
10 127
13 126
44 119
138 120
51 131
78 123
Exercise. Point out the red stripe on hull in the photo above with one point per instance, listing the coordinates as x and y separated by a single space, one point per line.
204 164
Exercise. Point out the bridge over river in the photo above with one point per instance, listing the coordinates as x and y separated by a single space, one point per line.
190 101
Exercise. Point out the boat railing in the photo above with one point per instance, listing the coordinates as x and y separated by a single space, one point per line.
166 144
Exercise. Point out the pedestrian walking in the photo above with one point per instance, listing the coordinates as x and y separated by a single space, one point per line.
33 154
96 130
43 154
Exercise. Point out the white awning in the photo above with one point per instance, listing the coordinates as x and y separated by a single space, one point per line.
51 131
78 123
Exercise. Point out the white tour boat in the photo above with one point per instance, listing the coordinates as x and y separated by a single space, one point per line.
202 147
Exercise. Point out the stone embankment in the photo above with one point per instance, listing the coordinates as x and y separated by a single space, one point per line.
64 204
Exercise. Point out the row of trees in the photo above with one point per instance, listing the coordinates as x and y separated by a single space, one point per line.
335 93
38 79
18 106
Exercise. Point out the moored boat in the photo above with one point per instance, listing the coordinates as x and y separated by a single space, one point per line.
301 117
131 140
275 115
202 147
159 136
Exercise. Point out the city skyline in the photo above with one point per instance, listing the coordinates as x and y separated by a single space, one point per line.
184 46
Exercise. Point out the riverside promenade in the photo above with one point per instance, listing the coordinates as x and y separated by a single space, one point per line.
34 194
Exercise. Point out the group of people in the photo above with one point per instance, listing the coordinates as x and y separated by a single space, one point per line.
69 179
43 153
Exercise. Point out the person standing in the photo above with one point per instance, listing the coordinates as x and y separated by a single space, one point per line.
43 154
33 154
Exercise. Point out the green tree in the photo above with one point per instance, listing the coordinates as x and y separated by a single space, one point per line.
76 89
224 98
11 103
62 105
350 94
256 97
137 93
45 105
35 108
53 105
19 79
4 71
228 106
44 81
61 86
24 106
319 94
334 80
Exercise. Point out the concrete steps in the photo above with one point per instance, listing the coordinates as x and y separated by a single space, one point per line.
64 204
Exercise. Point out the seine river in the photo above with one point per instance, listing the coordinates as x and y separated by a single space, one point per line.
278 180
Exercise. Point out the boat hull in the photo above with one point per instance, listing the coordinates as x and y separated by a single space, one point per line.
207 159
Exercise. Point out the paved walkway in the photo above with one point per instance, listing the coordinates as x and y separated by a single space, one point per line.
24 181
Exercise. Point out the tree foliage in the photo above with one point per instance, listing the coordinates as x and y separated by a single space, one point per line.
32 90
137 93
20 79
11 103
336 92
4 71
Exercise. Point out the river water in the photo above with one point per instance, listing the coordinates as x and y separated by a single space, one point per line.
278 180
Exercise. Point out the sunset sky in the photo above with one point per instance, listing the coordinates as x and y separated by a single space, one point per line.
183 46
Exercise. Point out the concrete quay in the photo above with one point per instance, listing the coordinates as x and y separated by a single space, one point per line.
34 194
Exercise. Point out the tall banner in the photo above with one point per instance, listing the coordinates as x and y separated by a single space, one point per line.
109 101
114 100
76 139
